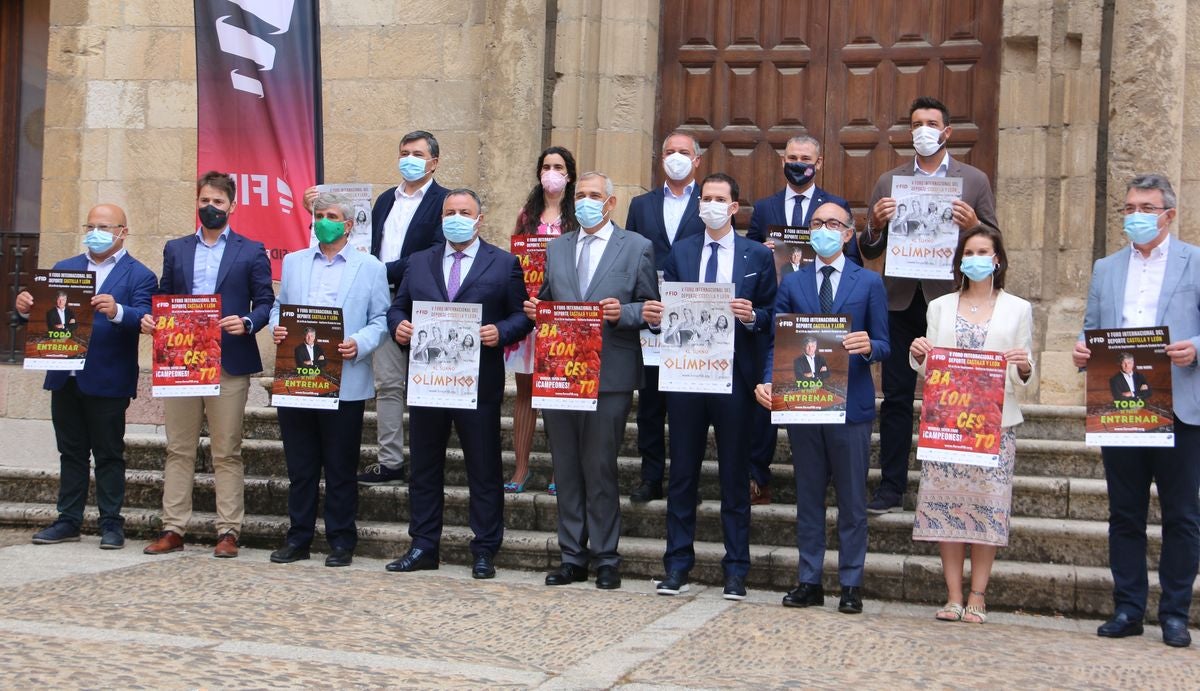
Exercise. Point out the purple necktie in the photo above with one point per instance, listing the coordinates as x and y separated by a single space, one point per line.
455 276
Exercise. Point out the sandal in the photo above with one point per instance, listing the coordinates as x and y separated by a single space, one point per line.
979 612
951 611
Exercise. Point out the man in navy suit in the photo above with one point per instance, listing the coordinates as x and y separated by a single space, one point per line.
719 255
88 406
214 260
465 270
663 216
791 206
832 285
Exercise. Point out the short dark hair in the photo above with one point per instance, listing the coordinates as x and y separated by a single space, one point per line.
415 135
222 182
997 244
721 177
929 103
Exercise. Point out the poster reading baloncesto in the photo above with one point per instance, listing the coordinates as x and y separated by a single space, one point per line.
187 345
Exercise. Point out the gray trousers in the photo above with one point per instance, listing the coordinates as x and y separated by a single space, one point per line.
391 386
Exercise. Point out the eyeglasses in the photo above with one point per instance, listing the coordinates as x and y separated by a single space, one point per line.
89 227
832 224
1143 209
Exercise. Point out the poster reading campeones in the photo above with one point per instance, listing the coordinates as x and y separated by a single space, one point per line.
60 322
308 366
1129 388
443 355
963 406
566 373
810 370
187 345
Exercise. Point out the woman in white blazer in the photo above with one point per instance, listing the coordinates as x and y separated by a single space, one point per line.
956 503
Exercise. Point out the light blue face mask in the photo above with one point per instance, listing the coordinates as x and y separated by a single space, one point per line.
98 241
825 242
458 228
978 268
1141 227
589 212
412 168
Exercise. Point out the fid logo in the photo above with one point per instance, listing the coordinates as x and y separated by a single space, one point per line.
237 41
41 279
253 191
1096 339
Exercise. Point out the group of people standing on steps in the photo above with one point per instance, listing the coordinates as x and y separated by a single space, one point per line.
426 245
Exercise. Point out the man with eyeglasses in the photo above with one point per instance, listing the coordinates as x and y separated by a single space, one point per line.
87 407
1152 281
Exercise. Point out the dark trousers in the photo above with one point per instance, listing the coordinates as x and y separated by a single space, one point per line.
479 433
328 440
691 415
763 436
819 453
899 389
651 419
1176 471
86 426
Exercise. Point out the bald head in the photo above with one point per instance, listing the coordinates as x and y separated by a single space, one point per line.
111 218
830 210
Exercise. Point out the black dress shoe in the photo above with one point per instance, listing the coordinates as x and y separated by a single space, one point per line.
805 595
289 553
1120 626
608 578
567 574
674 583
851 602
1175 632
416 559
735 588
340 557
483 568
646 492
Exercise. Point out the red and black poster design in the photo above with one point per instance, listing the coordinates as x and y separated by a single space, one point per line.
1129 388
811 369
308 366
566 374
963 407
60 321
531 250
792 249
258 112
187 345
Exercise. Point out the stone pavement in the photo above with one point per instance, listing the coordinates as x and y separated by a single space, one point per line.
72 616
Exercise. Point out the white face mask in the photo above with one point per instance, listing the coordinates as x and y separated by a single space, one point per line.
678 166
926 140
714 214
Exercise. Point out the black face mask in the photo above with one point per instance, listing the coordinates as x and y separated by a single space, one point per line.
798 173
213 218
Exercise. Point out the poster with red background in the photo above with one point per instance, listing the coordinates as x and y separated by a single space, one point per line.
566 374
187 345
531 251
963 406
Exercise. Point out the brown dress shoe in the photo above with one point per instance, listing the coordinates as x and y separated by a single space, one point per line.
759 496
168 541
227 547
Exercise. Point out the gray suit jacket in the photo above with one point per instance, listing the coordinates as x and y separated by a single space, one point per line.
625 272
977 192
1178 310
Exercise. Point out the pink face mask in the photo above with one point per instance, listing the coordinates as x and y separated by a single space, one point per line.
554 181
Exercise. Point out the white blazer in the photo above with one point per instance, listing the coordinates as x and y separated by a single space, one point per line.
1011 327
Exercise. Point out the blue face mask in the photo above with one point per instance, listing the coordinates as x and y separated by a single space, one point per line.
978 268
458 228
98 241
589 212
825 242
1141 228
412 168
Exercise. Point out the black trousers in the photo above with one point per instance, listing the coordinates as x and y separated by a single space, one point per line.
329 441
89 426
651 422
899 390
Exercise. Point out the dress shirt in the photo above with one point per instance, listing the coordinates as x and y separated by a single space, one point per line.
597 249
325 277
1143 284
207 262
835 278
724 257
939 172
1129 381
789 206
812 359
312 356
674 208
464 266
395 226
102 270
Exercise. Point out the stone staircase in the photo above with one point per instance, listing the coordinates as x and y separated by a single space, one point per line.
1056 560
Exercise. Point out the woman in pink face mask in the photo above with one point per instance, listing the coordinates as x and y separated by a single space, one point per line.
549 210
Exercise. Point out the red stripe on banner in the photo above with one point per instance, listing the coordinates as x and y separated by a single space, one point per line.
258 112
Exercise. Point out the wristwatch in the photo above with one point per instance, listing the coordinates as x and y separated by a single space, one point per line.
249 324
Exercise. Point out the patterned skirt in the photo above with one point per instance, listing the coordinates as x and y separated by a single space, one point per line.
967 503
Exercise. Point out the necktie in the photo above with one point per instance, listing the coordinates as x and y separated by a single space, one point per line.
583 268
798 211
826 294
455 276
710 269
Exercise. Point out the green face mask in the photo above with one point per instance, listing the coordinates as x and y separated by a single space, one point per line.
328 230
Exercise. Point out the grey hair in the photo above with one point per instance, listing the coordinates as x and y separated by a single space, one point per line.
458 191
677 133
1155 181
330 200
608 186
805 139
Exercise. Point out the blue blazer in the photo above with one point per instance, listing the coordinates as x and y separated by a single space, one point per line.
1178 310
363 297
770 211
754 276
111 367
860 294
244 284
425 229
646 219
494 281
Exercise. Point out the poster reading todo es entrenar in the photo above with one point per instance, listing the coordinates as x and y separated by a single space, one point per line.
308 366
811 369
566 373
963 406
922 236
187 345
1129 388
60 322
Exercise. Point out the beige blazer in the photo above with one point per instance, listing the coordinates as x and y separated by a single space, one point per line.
1011 327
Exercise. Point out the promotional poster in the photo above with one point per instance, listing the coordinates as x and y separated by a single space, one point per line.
1129 388
792 249
566 373
811 369
963 407
308 366
649 339
187 345
60 322
360 195
922 236
531 251
443 355
696 337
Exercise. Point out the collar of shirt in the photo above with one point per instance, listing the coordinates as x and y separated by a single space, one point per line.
342 254
109 262
470 250
838 265
1158 254
939 172
603 234
687 191
419 194
789 194
223 237
725 242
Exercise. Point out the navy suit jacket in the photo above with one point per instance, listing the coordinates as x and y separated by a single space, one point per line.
494 281
754 276
424 231
244 284
111 367
646 219
859 294
770 211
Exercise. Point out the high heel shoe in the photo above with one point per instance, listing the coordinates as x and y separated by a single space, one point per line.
516 487
552 489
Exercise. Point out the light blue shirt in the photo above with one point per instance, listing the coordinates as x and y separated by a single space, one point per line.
326 278
464 264
207 263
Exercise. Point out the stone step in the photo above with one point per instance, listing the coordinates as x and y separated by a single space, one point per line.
1051 588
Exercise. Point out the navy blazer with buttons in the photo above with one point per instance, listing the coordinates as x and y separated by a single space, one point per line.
770 211
645 218
424 231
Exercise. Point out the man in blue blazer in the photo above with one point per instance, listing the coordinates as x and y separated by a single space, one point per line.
332 274
832 285
1163 271
213 260
464 270
88 406
719 255
663 216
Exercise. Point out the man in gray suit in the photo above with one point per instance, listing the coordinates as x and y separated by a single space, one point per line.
1163 271
598 263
